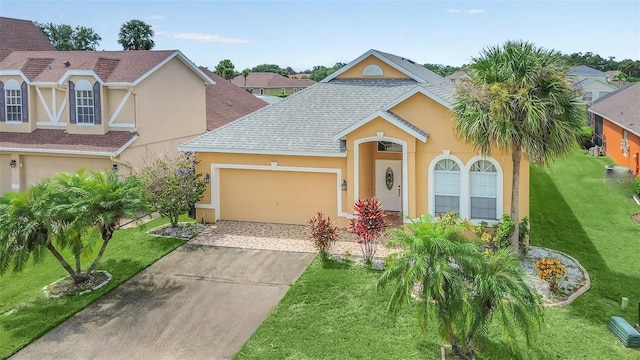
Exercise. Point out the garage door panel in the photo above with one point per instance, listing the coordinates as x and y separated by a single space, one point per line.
276 196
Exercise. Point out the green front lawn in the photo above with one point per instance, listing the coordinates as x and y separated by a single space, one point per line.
26 314
335 312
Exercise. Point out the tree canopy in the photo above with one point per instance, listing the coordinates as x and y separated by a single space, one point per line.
517 99
272 68
65 38
226 69
136 35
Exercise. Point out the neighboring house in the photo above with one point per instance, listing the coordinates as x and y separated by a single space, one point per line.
63 110
616 124
614 78
21 35
266 83
300 76
227 102
458 75
380 126
592 83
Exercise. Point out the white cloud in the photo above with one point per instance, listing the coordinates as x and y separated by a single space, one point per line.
453 11
475 11
202 37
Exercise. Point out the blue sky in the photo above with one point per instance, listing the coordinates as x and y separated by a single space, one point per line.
302 34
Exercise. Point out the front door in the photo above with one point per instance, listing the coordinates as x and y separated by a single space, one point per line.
389 184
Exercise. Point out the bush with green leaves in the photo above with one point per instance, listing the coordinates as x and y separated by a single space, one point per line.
323 232
68 211
464 290
585 137
636 190
171 184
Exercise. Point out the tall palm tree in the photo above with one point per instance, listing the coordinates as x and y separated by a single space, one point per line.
460 287
136 35
517 99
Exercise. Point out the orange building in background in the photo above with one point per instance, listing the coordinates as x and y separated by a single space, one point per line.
616 123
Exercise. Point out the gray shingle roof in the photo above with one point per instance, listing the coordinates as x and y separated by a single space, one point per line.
306 121
621 107
584 70
416 69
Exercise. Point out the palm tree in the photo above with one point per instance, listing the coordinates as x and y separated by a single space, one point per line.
136 35
460 287
245 73
517 99
58 213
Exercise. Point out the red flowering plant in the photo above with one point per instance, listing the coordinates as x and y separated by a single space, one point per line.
368 225
323 232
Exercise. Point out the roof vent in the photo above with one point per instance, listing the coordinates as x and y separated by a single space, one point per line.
66 64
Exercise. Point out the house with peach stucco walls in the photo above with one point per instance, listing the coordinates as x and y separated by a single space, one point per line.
380 126
64 110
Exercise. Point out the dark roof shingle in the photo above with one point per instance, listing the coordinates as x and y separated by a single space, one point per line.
621 107
52 140
21 35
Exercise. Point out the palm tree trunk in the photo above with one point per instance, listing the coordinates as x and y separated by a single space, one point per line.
97 259
62 261
516 157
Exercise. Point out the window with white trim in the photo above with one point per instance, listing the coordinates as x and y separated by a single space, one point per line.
283 91
587 96
446 187
624 144
261 91
84 103
13 102
602 93
483 178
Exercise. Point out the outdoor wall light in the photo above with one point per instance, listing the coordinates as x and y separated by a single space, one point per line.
344 184
114 167
12 163
207 177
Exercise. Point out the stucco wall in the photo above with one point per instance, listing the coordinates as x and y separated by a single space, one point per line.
612 134
388 71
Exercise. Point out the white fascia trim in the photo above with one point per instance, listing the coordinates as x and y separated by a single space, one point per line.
184 59
47 84
78 72
49 123
186 148
381 58
421 90
405 169
615 122
59 151
118 109
15 73
384 115
126 145
215 181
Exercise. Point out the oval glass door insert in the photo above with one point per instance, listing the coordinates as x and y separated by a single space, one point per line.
389 178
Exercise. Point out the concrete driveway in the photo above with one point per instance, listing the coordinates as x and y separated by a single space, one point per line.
199 302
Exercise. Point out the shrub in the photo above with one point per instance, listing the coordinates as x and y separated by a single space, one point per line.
323 232
550 270
637 188
585 137
368 225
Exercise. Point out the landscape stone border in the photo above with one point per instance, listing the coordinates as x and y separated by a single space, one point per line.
46 288
150 232
586 286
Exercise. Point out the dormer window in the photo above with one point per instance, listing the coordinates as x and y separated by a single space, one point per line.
84 103
13 102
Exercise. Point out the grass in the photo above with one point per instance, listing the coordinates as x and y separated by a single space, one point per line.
335 312
26 314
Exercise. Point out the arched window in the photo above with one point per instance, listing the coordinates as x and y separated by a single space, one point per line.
483 190
84 102
13 101
446 187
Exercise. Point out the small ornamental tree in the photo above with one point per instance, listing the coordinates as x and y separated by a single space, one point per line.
368 225
171 184
323 232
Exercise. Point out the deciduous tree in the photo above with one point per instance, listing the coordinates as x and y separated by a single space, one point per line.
65 38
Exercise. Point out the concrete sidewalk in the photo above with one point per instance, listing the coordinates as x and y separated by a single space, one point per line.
199 302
